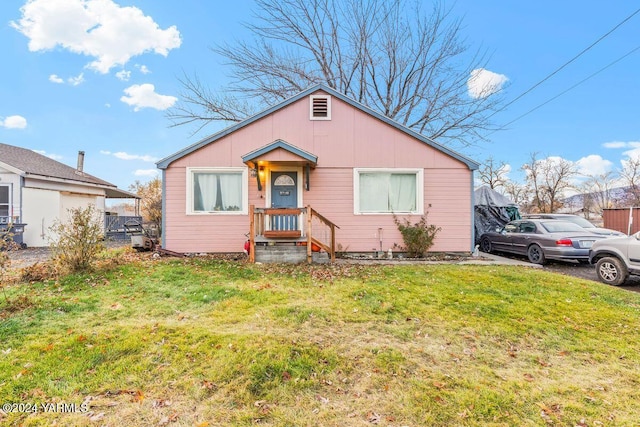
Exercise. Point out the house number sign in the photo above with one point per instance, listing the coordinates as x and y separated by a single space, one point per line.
284 193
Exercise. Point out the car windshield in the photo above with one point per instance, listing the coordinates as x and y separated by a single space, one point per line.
579 220
560 226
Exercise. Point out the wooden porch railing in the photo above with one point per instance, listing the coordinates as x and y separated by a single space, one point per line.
289 223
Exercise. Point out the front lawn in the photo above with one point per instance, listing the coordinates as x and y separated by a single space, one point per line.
197 342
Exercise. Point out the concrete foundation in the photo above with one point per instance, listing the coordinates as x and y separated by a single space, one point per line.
288 254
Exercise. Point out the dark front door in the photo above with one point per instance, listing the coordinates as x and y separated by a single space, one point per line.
284 194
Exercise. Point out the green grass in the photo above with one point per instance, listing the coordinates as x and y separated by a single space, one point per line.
201 342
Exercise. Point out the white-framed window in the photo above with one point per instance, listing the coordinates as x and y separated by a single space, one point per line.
388 191
5 202
217 191
319 107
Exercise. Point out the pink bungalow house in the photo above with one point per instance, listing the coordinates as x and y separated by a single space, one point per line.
317 171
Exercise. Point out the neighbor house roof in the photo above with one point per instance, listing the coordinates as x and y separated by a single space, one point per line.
28 163
164 163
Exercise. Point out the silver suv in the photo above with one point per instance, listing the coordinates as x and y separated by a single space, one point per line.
616 258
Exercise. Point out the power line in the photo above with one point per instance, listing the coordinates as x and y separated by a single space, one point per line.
566 63
567 90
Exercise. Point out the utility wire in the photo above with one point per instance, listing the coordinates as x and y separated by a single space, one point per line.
566 63
503 127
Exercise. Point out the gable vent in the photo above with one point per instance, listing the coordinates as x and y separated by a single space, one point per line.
320 107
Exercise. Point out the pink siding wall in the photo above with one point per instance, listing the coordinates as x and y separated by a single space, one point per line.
351 139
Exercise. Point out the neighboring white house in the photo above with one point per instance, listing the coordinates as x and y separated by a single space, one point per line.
36 190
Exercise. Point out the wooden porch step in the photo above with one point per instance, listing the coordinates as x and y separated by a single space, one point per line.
282 234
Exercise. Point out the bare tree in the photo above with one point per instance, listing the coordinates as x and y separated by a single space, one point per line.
518 193
630 177
597 193
394 58
548 178
151 200
493 174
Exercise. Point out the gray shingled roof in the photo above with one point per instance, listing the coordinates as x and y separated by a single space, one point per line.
32 163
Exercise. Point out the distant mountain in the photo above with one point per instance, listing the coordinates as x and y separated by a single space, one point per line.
576 200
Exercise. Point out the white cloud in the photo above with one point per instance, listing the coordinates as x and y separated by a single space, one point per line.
614 144
633 154
126 156
13 122
100 29
75 81
593 165
124 75
146 172
49 155
144 96
483 83
143 69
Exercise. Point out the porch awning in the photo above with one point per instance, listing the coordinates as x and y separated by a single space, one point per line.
280 151
116 193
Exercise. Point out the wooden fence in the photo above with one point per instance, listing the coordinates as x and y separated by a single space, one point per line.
625 220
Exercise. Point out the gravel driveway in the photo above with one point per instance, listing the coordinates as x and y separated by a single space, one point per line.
585 271
582 271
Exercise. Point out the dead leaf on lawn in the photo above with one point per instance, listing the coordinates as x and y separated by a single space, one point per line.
161 403
138 396
93 417
543 363
322 399
373 418
209 385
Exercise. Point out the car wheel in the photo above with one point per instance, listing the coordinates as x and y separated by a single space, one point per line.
535 254
485 245
612 271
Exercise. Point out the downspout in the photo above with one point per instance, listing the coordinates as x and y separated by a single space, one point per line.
21 188
473 216
163 229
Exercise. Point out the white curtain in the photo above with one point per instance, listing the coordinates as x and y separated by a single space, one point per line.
387 192
402 192
230 191
217 192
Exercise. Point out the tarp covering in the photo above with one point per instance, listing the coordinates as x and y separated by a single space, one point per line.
492 210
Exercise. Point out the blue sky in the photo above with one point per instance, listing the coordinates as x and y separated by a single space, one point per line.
107 95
